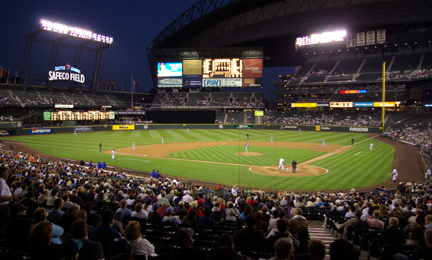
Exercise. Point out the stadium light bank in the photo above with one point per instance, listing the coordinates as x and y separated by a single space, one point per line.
325 37
74 31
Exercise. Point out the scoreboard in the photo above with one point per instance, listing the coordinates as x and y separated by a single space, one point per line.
76 116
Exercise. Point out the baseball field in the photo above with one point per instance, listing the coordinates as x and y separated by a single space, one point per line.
219 156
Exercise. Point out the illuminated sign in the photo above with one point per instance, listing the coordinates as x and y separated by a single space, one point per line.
326 37
74 31
428 105
323 104
222 82
363 104
170 83
46 116
188 82
303 104
387 104
341 104
252 68
169 69
73 116
123 127
353 92
62 73
222 68
252 82
192 67
63 106
259 113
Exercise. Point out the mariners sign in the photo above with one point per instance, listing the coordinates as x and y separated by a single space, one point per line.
66 73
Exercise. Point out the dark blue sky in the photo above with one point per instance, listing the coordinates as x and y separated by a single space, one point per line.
132 24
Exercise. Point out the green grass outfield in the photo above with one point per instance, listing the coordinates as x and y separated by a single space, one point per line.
354 168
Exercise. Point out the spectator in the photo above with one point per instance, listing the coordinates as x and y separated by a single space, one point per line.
17 230
123 211
139 212
316 249
69 217
283 249
342 249
415 236
374 222
184 238
68 250
297 220
249 235
90 250
104 233
205 221
56 214
40 246
154 215
392 234
40 215
232 213
169 216
421 252
139 246
191 218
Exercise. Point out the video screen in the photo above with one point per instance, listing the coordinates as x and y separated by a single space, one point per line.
169 69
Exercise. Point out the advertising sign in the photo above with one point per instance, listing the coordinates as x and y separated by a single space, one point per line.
243 126
252 82
170 83
259 113
323 104
341 104
46 116
63 73
132 113
303 104
252 68
111 115
222 82
169 69
386 104
63 106
363 91
123 127
363 104
36 131
192 67
192 83
83 129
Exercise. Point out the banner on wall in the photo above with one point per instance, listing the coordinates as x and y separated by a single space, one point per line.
83 129
123 127
252 68
36 131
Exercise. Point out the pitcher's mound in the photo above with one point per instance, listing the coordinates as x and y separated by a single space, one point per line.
302 171
249 154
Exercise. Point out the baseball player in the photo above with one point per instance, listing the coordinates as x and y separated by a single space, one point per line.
100 147
271 138
352 141
281 163
247 135
133 145
75 132
299 131
112 154
395 174
371 147
247 147
188 130
163 140
322 141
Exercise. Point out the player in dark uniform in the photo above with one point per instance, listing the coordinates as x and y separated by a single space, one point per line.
247 135
100 147
352 141
294 166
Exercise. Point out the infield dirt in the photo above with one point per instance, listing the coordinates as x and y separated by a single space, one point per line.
161 151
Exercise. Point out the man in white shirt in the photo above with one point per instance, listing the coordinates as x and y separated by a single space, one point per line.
5 194
371 146
187 198
428 173
247 147
112 154
281 163
395 174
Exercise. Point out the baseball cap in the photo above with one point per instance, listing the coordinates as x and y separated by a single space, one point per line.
108 215
155 206
169 211
149 200
68 249
18 208
184 235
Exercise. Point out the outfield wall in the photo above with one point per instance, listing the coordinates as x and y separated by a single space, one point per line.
62 130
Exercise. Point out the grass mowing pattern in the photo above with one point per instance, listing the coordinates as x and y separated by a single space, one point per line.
354 168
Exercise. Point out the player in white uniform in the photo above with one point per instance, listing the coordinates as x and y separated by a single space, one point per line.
133 145
163 140
371 146
299 131
247 147
281 163
322 141
395 174
75 132
112 154
271 138
188 130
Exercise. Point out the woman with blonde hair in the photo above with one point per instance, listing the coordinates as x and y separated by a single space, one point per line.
194 205
43 197
374 222
139 245
383 211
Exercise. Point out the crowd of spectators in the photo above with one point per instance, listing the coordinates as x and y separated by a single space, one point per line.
53 207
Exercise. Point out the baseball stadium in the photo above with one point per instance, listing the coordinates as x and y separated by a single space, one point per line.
347 117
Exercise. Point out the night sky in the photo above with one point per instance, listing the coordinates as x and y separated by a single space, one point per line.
132 24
